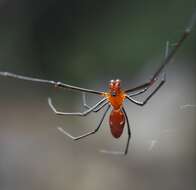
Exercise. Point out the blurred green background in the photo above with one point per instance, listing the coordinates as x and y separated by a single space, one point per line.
87 43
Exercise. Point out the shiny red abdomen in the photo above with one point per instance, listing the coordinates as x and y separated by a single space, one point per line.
117 122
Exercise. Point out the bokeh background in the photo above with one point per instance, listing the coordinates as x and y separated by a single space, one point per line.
87 43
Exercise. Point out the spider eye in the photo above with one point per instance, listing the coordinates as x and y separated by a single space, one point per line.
113 94
118 81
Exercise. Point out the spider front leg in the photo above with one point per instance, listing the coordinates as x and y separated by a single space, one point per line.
168 58
86 134
149 96
166 53
145 89
75 113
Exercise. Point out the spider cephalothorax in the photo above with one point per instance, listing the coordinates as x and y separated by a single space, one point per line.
115 95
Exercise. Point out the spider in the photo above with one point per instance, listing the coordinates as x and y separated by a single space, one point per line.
115 96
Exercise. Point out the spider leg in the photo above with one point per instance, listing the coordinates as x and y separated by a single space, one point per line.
86 134
50 82
88 107
169 56
146 88
139 92
128 132
166 49
75 113
149 96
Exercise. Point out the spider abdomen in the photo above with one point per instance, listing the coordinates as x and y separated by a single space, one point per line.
117 122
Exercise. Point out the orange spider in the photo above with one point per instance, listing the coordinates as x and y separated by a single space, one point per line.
114 97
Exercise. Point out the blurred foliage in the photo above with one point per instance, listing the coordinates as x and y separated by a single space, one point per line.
79 41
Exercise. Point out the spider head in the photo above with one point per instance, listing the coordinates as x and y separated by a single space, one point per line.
115 87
